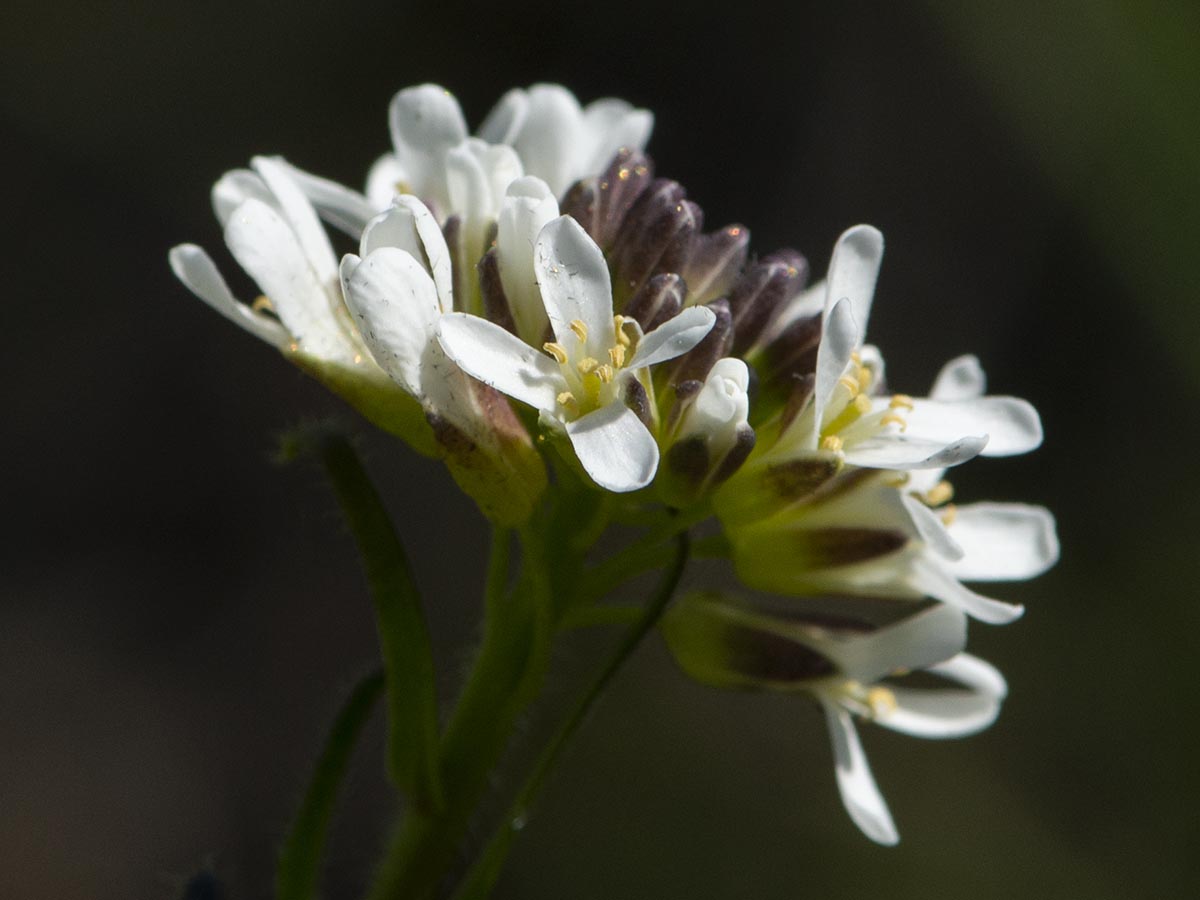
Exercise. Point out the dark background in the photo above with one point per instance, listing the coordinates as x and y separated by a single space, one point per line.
179 618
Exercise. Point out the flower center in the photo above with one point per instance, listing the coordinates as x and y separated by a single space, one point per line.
591 382
848 416
868 702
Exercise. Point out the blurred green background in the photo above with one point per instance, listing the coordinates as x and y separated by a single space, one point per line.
179 618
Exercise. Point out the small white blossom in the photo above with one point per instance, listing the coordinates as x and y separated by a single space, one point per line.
579 381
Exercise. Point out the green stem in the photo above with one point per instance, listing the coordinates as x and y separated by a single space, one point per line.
506 676
298 870
482 875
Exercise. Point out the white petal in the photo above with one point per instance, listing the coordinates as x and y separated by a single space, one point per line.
609 125
904 451
486 351
856 784
916 642
1011 424
853 271
548 141
410 226
267 248
337 204
386 179
931 529
199 273
839 338
469 190
298 212
426 122
527 207
960 379
674 337
575 284
236 187
934 713
930 578
504 122
394 303
1003 541
615 448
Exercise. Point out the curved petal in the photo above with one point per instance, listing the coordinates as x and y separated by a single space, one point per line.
267 248
504 122
856 784
931 529
853 271
1003 541
426 122
839 338
409 225
949 713
486 351
610 124
930 578
200 275
298 212
528 205
904 451
614 447
236 187
575 284
1011 424
345 209
674 337
960 379
916 642
386 179
394 303
548 139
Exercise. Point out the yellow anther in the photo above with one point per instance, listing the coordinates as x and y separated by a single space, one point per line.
357 358
831 442
856 357
881 700
864 378
894 419
262 303
566 398
558 351
850 384
294 347
605 373
579 327
949 514
938 494
617 355
622 337
862 404
623 173
586 365
901 401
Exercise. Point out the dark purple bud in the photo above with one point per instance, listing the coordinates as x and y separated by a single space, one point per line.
694 365
689 460
802 388
638 400
495 302
717 259
793 353
765 656
736 455
452 231
656 236
684 392
656 301
758 296
801 477
580 204
618 188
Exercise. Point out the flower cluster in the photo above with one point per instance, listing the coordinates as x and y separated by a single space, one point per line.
532 305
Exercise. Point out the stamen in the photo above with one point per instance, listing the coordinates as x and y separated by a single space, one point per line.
881 700
622 337
864 378
856 357
949 514
586 365
893 419
901 401
939 493
617 355
262 303
831 442
558 351
862 403
851 384
566 398
579 327
605 373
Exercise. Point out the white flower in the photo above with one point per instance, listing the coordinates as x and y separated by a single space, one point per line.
273 232
862 534
846 416
581 382
726 643
398 289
